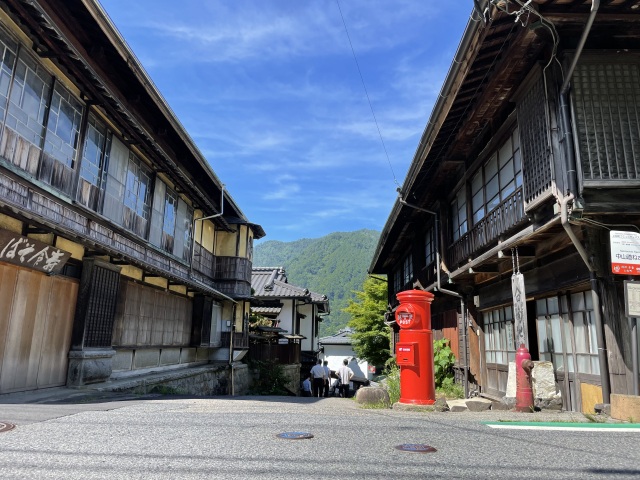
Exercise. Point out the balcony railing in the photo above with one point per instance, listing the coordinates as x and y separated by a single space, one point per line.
20 194
500 220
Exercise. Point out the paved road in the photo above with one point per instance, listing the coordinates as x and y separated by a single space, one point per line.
186 438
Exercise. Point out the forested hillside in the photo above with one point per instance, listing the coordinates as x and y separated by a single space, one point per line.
334 265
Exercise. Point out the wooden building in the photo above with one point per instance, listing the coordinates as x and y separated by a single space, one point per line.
528 161
294 311
120 251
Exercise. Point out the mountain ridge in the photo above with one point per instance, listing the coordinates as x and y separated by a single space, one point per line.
334 265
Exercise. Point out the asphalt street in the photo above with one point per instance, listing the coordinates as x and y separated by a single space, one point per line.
236 438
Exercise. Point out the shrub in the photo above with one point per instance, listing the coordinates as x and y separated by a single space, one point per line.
443 361
271 379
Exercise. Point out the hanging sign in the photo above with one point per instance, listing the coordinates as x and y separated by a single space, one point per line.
27 252
625 252
519 309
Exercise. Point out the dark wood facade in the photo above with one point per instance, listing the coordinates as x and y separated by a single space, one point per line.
527 162
94 165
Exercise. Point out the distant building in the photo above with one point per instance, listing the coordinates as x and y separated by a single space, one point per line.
336 348
294 311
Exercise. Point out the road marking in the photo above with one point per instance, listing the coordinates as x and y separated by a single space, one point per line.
567 427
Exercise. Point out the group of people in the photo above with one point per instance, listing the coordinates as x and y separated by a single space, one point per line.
318 382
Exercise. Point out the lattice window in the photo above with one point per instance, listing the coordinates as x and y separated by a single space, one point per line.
607 109
98 300
499 344
534 142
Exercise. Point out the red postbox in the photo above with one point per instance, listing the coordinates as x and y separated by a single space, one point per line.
414 350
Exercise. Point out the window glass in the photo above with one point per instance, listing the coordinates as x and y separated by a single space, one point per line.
92 171
429 247
117 161
169 224
61 140
499 335
497 179
8 50
157 216
184 225
137 197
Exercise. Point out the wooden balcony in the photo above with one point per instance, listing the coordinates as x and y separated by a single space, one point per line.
506 216
240 340
283 354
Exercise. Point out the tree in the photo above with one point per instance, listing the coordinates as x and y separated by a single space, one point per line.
372 337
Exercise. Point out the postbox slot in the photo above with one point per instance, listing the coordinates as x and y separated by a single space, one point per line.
406 354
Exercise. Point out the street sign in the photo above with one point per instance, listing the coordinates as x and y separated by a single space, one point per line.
625 252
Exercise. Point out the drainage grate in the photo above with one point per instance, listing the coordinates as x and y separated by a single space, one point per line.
5 426
416 448
295 435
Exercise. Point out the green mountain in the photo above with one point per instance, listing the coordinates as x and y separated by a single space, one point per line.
334 265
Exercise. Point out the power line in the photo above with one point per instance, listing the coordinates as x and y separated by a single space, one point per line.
367 94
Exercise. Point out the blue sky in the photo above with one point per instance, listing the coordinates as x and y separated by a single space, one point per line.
270 92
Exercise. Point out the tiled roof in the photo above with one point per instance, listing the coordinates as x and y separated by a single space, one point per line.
342 338
266 310
271 282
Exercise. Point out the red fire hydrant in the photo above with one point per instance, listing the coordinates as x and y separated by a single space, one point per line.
524 392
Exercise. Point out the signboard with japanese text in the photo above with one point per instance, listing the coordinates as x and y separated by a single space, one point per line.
632 299
625 252
28 252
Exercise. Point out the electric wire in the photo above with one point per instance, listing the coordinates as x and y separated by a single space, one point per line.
367 94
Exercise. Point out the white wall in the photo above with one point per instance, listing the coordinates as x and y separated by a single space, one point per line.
335 354
286 316
309 344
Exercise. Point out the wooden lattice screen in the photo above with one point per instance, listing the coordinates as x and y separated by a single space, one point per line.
534 143
606 96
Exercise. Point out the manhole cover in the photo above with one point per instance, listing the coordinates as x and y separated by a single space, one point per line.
416 448
294 435
5 426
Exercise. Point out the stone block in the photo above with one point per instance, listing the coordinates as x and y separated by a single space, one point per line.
188 355
170 356
123 361
478 404
499 405
543 380
625 407
511 381
458 405
441 405
146 358
202 354
373 396
89 366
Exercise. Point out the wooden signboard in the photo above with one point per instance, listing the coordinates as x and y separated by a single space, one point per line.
28 252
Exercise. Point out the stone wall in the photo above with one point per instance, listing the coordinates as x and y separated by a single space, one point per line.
292 372
200 381
241 379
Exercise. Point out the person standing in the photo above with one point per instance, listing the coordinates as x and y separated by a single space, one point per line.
317 372
344 374
306 386
327 377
